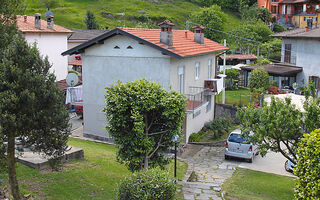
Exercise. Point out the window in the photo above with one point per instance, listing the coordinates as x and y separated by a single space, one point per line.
287 53
129 47
116 47
209 68
197 70
209 103
181 80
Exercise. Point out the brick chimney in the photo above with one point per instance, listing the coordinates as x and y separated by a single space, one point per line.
25 17
166 37
198 33
50 21
37 20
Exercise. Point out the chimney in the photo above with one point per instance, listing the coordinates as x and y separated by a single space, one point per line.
37 20
198 33
166 37
50 21
25 18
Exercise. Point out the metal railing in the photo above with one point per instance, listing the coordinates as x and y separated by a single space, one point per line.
195 98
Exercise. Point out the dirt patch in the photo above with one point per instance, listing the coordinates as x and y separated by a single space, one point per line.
190 150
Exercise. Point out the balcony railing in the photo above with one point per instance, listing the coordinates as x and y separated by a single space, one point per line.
196 98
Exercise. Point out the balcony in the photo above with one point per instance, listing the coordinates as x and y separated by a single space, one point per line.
196 98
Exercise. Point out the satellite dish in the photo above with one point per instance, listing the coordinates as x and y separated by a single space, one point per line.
72 79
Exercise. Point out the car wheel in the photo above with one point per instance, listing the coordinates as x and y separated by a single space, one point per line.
226 157
286 167
250 160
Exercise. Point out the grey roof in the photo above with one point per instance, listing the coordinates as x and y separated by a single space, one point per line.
85 34
313 33
276 69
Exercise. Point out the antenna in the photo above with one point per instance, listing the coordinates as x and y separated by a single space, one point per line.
72 79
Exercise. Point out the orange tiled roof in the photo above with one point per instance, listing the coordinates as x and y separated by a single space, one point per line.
28 26
240 57
182 45
75 62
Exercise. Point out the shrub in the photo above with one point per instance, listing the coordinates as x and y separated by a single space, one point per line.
278 28
259 79
273 90
308 167
220 126
273 83
148 185
195 137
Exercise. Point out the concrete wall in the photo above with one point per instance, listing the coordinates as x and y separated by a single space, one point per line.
306 56
104 65
196 120
52 45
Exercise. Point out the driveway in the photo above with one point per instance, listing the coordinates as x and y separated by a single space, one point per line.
211 170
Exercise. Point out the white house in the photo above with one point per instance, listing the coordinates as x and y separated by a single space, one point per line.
51 40
178 59
300 47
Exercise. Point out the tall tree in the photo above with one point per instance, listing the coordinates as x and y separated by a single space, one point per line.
212 17
31 105
90 21
142 118
259 80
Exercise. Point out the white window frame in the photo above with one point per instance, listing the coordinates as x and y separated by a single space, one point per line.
197 72
209 68
181 79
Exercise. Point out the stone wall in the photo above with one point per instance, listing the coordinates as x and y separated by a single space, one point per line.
225 109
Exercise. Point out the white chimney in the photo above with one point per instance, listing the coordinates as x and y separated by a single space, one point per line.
37 20
198 33
166 36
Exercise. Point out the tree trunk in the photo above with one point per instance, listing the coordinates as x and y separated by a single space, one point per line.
12 168
146 161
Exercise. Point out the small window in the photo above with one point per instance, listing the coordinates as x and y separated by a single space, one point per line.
116 47
209 68
197 70
129 47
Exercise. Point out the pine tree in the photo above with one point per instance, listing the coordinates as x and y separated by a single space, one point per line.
91 21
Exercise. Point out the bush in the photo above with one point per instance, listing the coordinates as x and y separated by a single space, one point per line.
308 167
273 90
220 126
259 79
195 137
148 185
278 28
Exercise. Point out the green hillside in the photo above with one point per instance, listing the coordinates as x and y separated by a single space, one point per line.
138 13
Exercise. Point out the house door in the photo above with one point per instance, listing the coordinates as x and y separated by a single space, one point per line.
181 79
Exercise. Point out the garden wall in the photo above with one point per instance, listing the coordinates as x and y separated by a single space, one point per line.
225 109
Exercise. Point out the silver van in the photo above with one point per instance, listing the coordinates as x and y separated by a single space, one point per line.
239 147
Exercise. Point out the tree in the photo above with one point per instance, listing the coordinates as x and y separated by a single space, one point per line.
232 74
142 118
259 79
31 105
308 167
91 21
212 17
276 127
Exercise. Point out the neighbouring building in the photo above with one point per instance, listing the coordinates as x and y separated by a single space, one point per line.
300 47
51 40
76 38
293 13
177 59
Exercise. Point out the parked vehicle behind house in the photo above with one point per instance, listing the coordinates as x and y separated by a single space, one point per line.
239 147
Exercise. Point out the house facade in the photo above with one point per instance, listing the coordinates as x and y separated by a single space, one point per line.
293 13
300 47
50 38
179 60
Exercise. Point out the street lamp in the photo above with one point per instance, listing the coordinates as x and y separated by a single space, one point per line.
175 139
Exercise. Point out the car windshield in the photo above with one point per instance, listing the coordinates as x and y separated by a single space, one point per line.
237 138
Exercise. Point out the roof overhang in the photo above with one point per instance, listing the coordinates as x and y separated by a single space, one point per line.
276 69
99 40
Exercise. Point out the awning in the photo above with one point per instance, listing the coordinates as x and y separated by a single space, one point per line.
276 69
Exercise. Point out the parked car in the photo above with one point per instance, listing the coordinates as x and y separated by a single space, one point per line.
288 165
239 147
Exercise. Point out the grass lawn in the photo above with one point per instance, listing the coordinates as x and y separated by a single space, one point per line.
253 185
240 97
96 177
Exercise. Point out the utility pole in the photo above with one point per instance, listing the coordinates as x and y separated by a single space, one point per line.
224 73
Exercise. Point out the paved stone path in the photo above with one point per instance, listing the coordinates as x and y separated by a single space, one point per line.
211 171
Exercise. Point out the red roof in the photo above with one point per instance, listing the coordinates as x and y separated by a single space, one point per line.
239 57
182 45
75 62
28 26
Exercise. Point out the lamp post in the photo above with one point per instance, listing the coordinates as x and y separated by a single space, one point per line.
175 139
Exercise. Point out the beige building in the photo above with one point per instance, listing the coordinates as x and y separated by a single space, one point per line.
177 59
